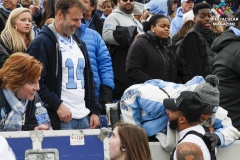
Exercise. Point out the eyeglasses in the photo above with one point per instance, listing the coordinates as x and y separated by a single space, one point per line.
209 109
127 0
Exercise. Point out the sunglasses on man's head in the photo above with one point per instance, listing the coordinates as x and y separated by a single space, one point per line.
127 0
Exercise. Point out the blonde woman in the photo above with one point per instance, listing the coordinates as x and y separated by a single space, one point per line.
17 34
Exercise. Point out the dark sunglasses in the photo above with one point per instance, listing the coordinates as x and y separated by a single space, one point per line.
209 109
127 0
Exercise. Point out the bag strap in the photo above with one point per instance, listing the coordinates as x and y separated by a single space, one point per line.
205 140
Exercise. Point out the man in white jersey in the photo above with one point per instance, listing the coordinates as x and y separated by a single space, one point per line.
184 114
66 85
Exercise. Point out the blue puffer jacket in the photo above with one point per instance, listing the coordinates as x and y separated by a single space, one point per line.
100 59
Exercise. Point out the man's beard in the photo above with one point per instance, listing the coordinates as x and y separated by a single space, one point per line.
173 124
128 10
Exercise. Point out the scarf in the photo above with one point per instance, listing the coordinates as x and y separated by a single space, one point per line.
208 34
14 119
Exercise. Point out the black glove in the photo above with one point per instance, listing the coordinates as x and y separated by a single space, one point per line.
214 139
105 97
106 93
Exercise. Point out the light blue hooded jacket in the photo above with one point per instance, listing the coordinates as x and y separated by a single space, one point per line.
177 22
158 7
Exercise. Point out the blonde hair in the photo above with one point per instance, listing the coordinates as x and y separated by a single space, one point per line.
217 28
9 35
19 69
49 21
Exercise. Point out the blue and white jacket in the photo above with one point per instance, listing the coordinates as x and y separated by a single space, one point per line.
142 104
100 59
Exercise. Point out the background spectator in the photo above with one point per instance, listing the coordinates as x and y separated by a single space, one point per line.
226 66
90 17
172 7
195 54
5 9
107 8
177 21
120 29
148 57
48 12
17 34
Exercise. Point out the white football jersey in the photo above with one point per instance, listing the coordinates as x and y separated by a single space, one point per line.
73 64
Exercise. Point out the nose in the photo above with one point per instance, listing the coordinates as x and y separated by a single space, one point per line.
78 23
207 18
110 139
36 87
28 22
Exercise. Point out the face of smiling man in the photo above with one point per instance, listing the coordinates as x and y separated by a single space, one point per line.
126 6
203 18
67 24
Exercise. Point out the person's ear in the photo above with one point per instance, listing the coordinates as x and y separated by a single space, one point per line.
122 148
182 119
194 19
152 28
59 14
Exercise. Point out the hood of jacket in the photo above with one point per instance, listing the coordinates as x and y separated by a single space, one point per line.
117 10
223 40
50 31
158 7
179 12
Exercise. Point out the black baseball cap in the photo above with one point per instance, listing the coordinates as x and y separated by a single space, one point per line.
190 103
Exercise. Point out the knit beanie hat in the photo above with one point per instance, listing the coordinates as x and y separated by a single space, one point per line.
208 91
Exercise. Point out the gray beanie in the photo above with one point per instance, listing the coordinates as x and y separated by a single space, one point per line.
208 91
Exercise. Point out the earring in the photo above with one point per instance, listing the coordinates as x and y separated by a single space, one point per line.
16 27
122 148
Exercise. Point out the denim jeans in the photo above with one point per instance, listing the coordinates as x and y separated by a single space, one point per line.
75 124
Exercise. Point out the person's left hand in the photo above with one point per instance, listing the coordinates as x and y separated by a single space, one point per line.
42 127
94 121
214 139
34 9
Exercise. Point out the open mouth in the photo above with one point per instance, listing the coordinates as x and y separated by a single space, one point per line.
207 25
